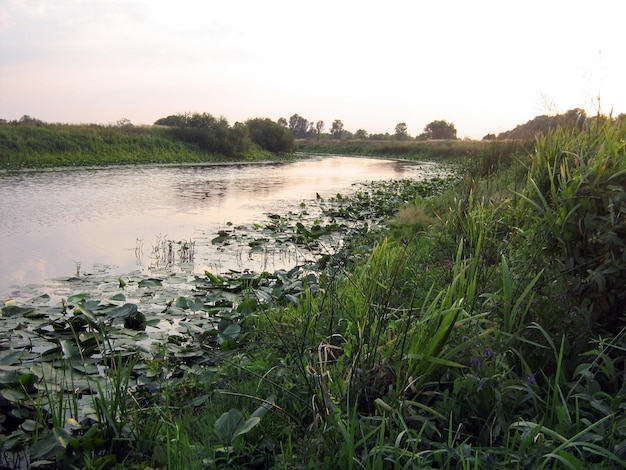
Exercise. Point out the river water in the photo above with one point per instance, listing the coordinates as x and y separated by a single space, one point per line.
60 222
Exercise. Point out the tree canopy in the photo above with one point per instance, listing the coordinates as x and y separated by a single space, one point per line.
270 135
215 135
541 125
438 130
401 131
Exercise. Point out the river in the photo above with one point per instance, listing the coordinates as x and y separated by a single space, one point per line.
62 222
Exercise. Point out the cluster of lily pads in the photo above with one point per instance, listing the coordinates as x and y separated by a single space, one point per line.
70 368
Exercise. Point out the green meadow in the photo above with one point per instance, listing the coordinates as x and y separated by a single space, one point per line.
472 321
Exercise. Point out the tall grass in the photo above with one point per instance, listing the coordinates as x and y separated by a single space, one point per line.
494 363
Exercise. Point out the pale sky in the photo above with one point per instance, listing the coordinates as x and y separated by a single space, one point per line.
484 65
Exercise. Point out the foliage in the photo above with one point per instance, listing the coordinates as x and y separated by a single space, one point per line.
574 119
401 131
438 130
298 126
210 134
337 129
270 136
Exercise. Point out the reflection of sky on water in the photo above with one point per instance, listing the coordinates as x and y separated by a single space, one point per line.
53 219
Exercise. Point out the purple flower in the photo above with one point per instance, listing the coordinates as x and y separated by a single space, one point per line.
475 362
530 379
487 352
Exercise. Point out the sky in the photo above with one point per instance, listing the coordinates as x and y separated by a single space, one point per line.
483 65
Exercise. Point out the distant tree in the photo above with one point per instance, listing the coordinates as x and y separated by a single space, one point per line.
209 133
270 135
283 122
337 129
360 134
384 136
489 137
298 126
174 120
30 121
572 119
319 128
401 131
123 123
438 130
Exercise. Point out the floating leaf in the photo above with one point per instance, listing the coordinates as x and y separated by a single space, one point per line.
12 394
72 299
124 311
181 302
118 298
14 310
8 358
150 282
69 349
29 425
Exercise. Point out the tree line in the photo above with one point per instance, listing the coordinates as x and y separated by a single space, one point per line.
217 135
302 128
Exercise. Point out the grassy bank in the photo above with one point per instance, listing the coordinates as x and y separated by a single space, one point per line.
481 326
485 329
410 149
41 145
56 145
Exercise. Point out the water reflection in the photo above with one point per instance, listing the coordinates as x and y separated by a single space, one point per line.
54 219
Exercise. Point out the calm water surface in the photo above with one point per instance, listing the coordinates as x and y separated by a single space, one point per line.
113 217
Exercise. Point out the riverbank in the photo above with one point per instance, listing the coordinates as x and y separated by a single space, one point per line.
474 325
39 146
24 146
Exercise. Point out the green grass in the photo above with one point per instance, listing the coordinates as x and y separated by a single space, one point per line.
60 145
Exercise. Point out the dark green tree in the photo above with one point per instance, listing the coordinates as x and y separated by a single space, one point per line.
319 128
209 133
401 131
438 130
298 126
270 135
337 129
361 134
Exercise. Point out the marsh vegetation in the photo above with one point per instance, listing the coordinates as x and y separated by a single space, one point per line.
470 322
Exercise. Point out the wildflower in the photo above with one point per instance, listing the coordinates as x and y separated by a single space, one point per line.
475 362
530 379
487 352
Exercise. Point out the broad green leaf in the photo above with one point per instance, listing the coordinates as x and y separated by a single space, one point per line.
246 426
181 302
150 282
12 394
199 400
72 299
265 407
232 331
69 349
124 311
14 310
118 298
8 358
225 426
